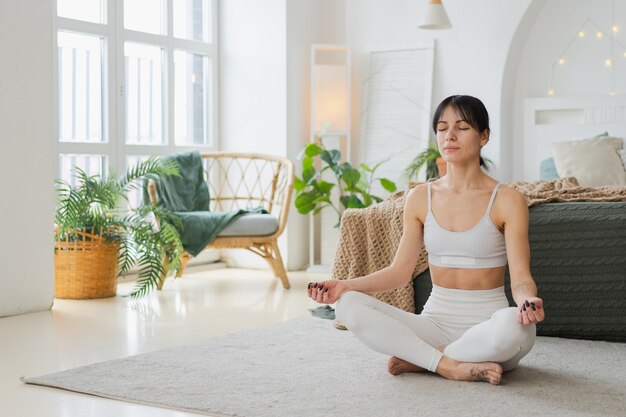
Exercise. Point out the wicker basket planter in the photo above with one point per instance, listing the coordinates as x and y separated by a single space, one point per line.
86 268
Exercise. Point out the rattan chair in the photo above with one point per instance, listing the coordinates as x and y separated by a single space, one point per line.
247 180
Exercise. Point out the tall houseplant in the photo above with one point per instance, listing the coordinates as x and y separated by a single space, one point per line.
145 236
313 194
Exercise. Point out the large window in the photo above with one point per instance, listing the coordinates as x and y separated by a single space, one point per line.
135 78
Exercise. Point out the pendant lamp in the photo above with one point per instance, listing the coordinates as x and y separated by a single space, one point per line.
436 17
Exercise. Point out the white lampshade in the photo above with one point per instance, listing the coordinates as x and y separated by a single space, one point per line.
436 17
330 98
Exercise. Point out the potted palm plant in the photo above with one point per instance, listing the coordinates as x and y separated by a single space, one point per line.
435 165
97 240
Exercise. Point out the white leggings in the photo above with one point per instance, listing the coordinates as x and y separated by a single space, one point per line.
472 325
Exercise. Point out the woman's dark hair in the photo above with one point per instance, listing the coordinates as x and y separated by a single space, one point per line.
471 109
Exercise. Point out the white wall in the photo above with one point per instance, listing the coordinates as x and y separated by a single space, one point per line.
470 58
27 156
264 96
253 87
253 76
551 29
308 22
499 51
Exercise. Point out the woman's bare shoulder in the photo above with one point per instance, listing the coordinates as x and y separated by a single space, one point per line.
510 204
417 201
511 196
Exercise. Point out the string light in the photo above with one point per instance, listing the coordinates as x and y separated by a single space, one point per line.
585 31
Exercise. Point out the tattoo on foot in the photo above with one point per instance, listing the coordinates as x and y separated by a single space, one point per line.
478 374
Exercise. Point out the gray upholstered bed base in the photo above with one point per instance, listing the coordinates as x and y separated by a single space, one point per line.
578 259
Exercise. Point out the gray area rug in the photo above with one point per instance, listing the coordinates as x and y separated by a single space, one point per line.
305 367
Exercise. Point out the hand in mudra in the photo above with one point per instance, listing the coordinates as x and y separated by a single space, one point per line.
531 311
327 292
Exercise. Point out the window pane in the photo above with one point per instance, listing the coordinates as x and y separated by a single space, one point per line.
191 98
91 164
144 94
144 16
80 88
87 10
192 20
134 196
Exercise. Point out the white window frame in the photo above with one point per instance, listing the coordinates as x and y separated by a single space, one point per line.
113 109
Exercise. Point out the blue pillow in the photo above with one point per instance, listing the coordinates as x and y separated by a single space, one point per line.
548 170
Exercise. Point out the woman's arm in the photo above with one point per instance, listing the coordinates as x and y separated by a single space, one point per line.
523 287
396 275
400 272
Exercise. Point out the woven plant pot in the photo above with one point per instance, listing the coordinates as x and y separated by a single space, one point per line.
86 268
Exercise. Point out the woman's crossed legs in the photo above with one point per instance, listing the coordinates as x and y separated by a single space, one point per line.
482 352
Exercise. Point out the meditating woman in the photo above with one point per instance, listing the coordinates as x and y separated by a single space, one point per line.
470 226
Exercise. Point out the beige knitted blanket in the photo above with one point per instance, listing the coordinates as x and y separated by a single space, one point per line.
368 238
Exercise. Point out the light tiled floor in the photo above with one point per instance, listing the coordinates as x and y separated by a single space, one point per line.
202 304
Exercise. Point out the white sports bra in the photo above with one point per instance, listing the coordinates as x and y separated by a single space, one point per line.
482 246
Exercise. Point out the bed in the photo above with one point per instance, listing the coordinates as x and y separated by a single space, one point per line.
548 120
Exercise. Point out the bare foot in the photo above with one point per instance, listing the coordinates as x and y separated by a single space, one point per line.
467 371
397 366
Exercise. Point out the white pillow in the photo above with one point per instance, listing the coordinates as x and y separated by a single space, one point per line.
594 162
622 153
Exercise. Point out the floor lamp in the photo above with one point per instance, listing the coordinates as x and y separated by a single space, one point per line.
330 114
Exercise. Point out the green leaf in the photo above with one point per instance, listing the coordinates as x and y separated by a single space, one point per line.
308 174
298 184
151 168
388 185
324 187
352 201
427 157
307 163
312 149
365 167
322 199
351 177
331 157
320 208
304 202
341 168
